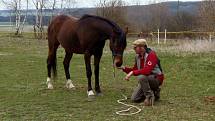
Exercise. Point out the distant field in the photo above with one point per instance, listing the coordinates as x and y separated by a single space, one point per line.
24 96
8 28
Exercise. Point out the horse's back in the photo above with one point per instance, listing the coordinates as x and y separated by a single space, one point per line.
57 23
62 30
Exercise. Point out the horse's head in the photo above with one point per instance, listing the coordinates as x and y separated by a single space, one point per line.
117 45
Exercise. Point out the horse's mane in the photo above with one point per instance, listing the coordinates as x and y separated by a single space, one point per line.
113 24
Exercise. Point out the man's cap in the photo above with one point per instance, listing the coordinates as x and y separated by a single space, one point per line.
140 42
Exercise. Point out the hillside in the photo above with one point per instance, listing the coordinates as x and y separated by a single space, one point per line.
136 15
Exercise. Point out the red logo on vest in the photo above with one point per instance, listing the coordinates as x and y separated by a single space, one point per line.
149 63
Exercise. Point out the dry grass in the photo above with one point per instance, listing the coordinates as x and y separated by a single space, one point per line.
187 46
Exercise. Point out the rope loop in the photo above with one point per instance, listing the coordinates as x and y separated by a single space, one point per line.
122 112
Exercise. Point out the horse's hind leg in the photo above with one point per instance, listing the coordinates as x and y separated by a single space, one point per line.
51 62
87 57
66 62
97 59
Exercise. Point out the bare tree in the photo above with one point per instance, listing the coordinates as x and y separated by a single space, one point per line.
150 17
207 15
114 10
70 3
66 5
25 17
53 7
137 2
158 15
38 25
15 6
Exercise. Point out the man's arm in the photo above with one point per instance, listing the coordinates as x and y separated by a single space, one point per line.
128 70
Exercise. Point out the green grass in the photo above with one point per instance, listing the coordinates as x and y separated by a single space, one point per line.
24 95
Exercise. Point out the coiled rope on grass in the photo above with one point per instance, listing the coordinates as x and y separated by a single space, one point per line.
122 112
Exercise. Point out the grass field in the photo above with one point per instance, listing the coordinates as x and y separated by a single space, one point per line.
24 95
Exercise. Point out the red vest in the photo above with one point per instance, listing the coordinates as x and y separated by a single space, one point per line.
148 65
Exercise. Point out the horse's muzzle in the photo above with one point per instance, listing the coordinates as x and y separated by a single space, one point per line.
118 61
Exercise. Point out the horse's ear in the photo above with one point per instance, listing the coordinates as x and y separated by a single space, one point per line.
126 30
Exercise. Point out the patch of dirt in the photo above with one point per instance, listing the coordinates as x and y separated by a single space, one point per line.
209 99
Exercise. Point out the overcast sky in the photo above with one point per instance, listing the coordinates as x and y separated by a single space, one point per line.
92 3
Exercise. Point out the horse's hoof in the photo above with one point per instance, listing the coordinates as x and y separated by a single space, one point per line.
99 94
69 85
50 86
90 93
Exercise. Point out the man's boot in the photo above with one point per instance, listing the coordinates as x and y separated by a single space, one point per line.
157 94
149 101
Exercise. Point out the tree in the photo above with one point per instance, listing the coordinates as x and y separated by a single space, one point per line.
25 17
150 17
65 6
159 15
16 7
38 25
114 10
155 16
207 15
53 7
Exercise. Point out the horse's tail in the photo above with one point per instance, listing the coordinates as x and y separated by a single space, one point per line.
52 63
53 45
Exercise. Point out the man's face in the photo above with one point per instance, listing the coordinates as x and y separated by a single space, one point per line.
139 49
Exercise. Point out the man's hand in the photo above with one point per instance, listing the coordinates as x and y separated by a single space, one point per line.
128 75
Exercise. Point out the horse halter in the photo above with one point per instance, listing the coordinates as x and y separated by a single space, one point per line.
117 51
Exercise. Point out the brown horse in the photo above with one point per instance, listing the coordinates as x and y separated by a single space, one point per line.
87 36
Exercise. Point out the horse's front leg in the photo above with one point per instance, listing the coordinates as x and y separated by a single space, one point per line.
87 58
97 59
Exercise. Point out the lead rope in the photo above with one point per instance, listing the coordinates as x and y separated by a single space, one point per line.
122 112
